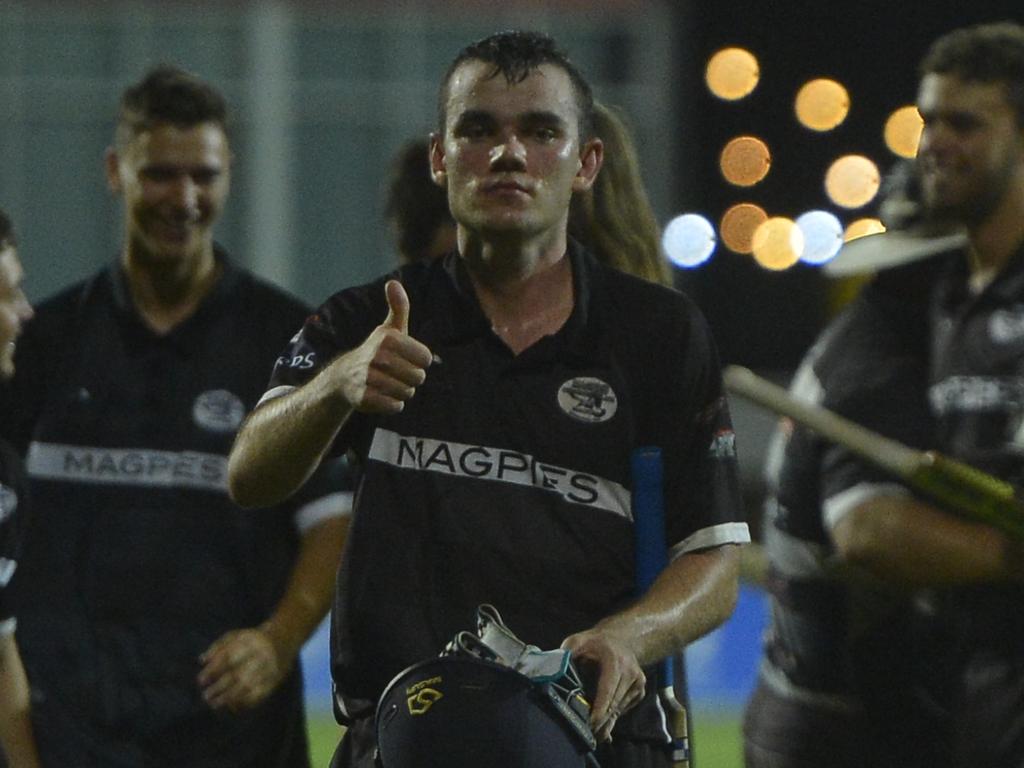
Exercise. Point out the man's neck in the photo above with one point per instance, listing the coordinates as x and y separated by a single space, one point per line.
167 294
995 239
526 293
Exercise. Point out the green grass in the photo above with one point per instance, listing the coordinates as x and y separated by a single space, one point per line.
716 739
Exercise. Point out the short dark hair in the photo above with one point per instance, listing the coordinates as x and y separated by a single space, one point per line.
985 53
515 55
168 95
7 237
416 206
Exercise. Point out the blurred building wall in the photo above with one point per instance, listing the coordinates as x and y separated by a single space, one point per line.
322 95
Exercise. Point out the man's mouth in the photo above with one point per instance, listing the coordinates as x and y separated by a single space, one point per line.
507 187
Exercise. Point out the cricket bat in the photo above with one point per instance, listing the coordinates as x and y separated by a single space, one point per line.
960 486
650 559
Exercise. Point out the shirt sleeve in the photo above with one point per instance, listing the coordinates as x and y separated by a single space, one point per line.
895 407
704 485
340 324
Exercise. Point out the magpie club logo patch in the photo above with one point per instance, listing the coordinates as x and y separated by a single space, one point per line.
585 398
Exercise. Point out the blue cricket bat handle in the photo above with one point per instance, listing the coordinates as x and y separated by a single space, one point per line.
651 557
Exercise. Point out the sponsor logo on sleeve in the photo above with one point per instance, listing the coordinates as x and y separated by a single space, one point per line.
298 362
723 445
585 398
218 410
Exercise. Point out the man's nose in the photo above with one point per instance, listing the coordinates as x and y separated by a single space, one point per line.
509 154
186 195
934 137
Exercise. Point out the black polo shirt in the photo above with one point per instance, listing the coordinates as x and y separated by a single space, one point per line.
977 395
140 560
13 513
506 479
870 366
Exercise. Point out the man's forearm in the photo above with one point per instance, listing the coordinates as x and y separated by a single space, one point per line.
15 724
910 543
307 598
282 442
694 594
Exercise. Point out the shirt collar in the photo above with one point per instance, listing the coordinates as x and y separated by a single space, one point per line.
1007 285
578 338
226 283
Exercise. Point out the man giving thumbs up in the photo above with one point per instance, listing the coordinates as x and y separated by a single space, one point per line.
502 475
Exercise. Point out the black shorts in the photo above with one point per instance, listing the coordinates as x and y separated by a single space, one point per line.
782 732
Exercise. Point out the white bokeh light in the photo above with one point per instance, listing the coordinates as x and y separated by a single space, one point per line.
823 236
689 240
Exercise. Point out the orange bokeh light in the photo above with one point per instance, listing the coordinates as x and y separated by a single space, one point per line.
738 225
822 104
862 227
903 131
852 181
778 243
732 73
745 161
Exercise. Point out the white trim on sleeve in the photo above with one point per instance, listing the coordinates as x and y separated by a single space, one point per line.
837 507
332 505
716 535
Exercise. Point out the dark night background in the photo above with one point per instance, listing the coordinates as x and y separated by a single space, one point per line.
763 319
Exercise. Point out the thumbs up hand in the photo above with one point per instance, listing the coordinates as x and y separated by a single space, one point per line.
398 307
382 373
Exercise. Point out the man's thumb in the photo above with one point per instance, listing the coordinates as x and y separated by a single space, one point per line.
398 306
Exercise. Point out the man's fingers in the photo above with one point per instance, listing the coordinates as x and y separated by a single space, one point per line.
398 307
400 366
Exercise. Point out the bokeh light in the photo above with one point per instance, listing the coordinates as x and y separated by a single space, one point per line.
778 243
822 104
738 225
852 181
862 227
732 73
903 131
823 236
688 240
745 161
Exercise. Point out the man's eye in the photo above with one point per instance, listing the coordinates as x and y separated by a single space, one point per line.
474 131
205 178
158 174
546 134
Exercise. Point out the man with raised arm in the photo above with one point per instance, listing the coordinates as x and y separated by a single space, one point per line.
493 398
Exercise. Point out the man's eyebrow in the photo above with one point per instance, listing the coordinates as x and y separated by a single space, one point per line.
474 116
542 116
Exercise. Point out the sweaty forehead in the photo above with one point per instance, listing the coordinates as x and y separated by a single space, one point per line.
205 141
947 92
474 86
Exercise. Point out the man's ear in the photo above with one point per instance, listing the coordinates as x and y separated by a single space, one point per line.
438 171
111 165
591 158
